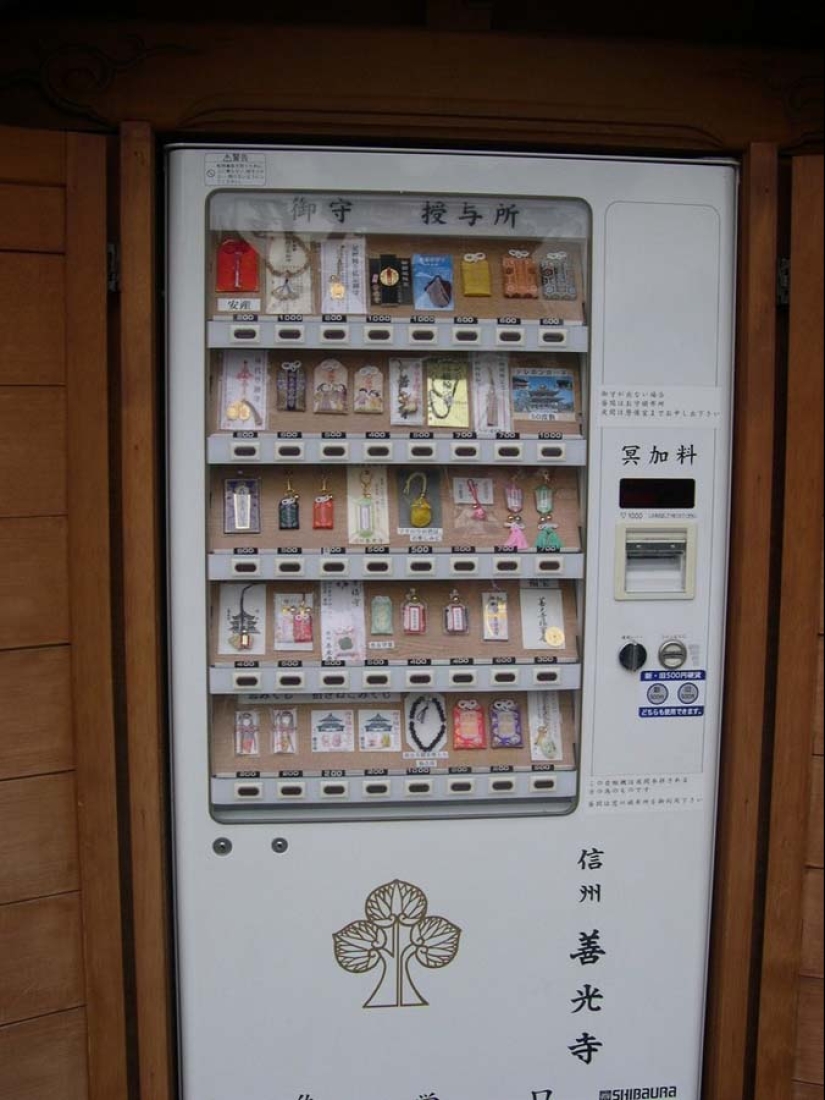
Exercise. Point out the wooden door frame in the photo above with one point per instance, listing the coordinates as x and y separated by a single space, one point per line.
731 995
796 654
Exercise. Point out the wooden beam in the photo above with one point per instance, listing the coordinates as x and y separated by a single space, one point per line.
143 581
87 406
798 635
735 892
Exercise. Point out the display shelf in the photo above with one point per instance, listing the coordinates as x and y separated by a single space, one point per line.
421 333
346 563
343 448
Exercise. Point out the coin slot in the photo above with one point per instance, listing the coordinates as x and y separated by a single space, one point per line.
289 450
293 567
505 677
542 783
418 335
336 567
248 790
339 335
335 679
553 336
378 450
509 336
509 451
243 680
373 566
502 786
549 565
291 790
245 334
377 679
466 335
247 567
421 450
246 450
465 450
334 790
545 676
294 335
376 790
419 679
552 452
419 786
462 786
417 566
464 566
378 335
291 680
335 450
507 565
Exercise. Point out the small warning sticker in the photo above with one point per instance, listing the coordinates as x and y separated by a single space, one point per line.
672 694
235 168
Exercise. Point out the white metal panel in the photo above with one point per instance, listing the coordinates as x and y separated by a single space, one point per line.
265 1011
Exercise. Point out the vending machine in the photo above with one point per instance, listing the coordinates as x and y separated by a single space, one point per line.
448 478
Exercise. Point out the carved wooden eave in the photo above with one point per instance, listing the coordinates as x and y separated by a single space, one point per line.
408 86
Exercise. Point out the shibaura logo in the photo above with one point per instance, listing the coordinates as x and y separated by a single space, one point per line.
651 1092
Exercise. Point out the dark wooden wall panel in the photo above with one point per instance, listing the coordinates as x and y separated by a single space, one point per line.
33 335
32 156
812 926
814 855
33 451
34 218
34 585
41 957
61 944
38 837
35 716
808 1060
44 1059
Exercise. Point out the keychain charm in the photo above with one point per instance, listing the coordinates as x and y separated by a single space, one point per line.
469 727
237 267
302 622
288 517
516 539
514 495
284 730
381 615
241 506
323 509
495 625
456 619
519 274
548 540
421 511
505 725
247 731
558 282
369 391
414 614
291 387
366 507
475 275
331 387
478 511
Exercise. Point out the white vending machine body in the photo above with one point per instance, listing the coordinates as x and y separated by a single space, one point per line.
445 927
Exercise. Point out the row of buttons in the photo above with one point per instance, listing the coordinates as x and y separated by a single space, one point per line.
295 790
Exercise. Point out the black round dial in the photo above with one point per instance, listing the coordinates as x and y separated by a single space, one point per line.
632 656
